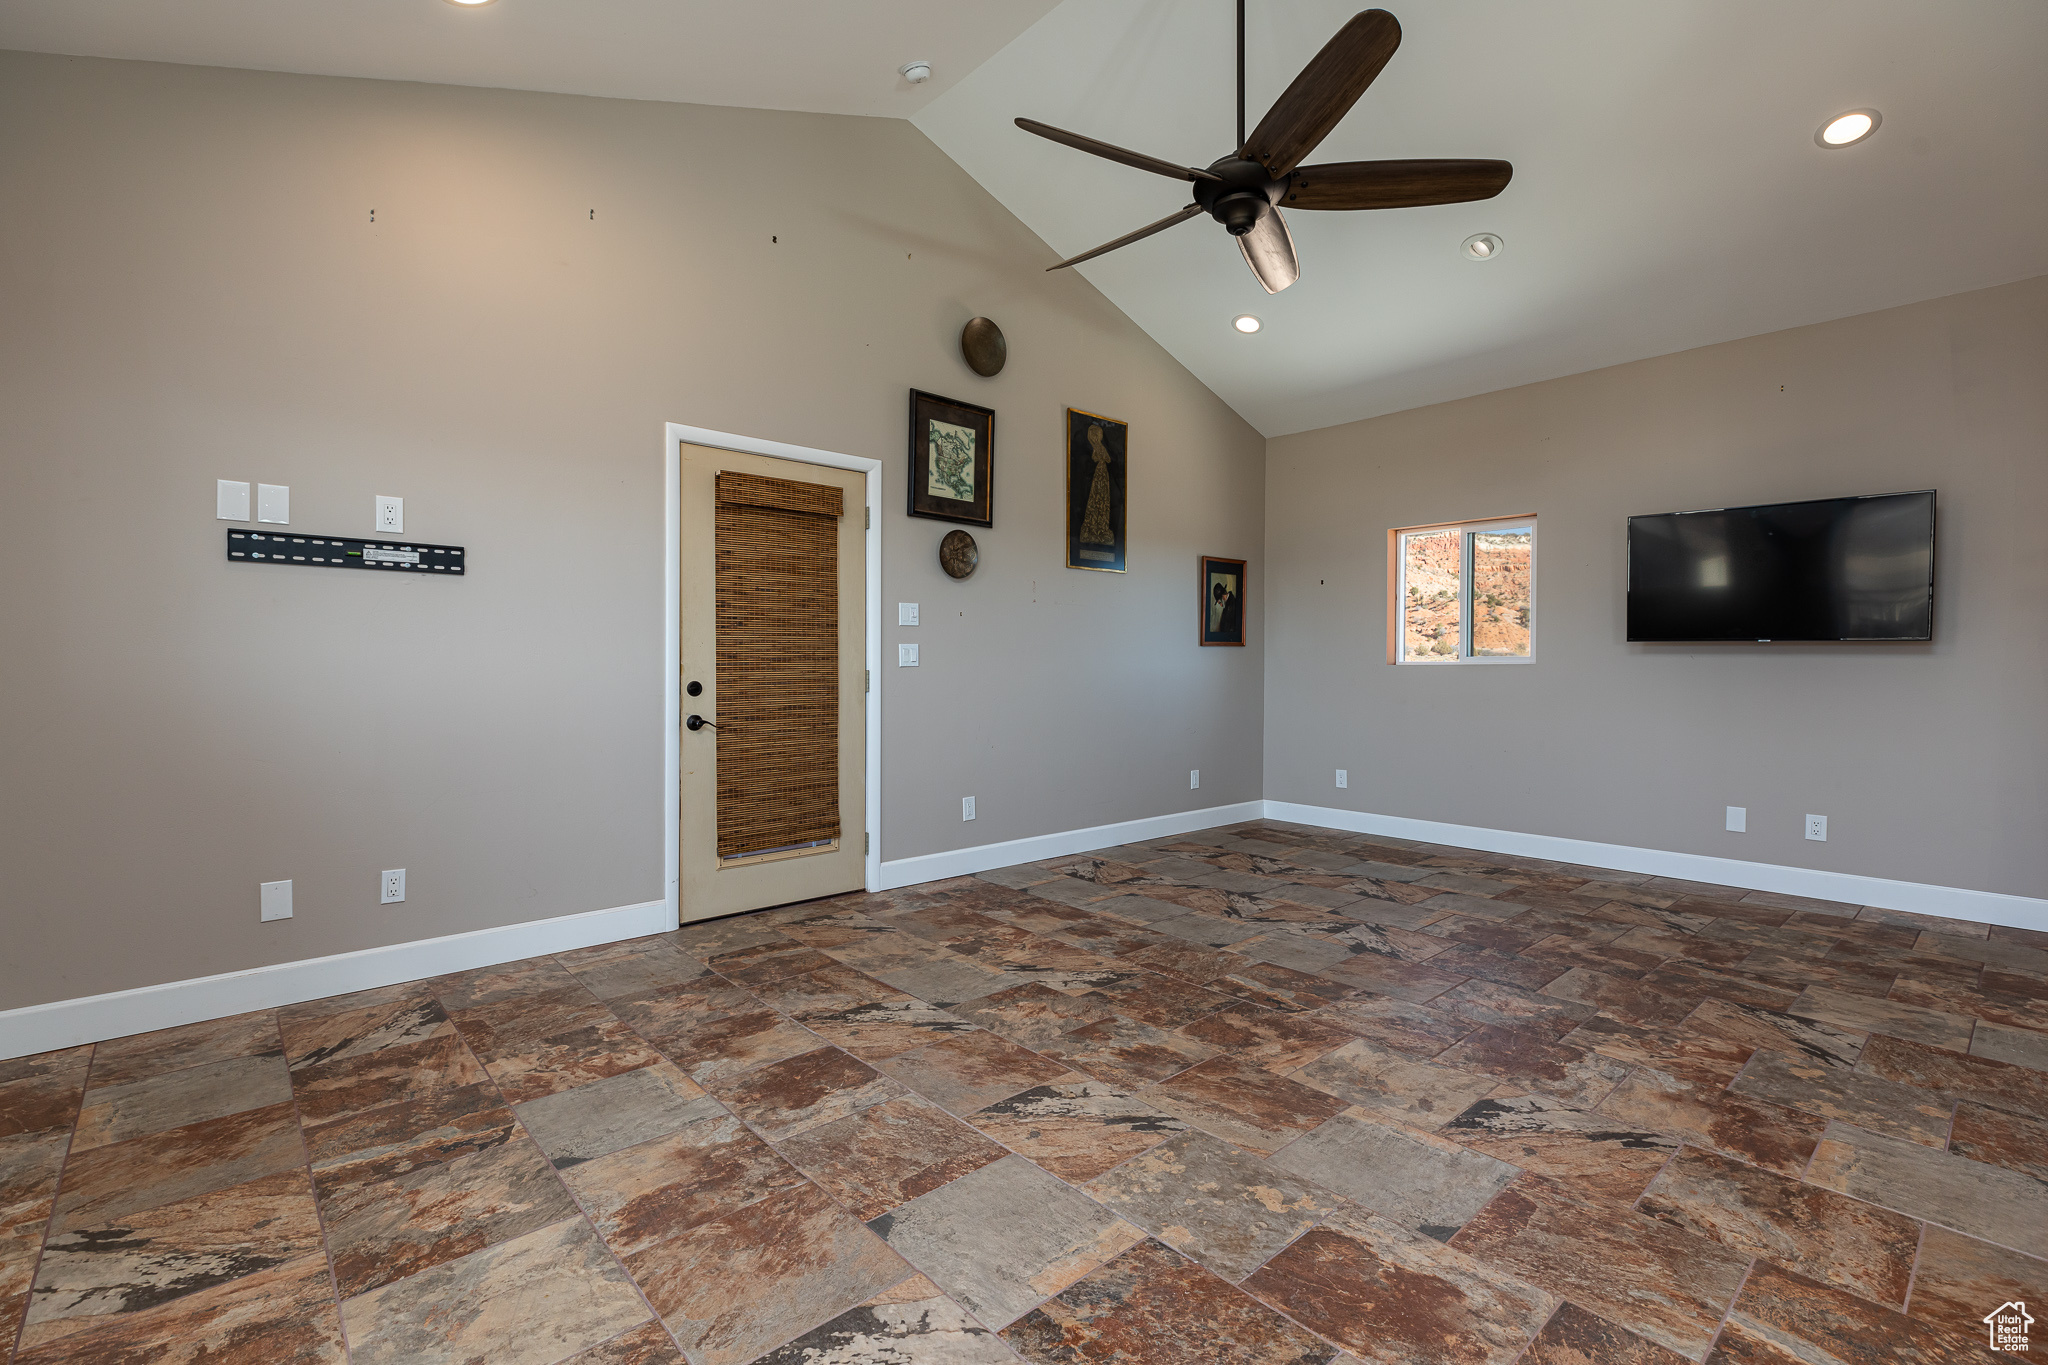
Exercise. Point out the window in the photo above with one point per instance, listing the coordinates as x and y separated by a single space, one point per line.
1462 593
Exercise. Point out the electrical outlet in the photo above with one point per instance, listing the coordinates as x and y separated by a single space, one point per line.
906 613
966 808
1343 777
230 500
276 900
392 886
1738 819
390 515
906 656
1817 828
1194 778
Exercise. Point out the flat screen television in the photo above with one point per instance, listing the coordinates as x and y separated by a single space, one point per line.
1832 569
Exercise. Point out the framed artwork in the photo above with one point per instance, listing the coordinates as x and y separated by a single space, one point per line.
1222 601
1098 471
952 460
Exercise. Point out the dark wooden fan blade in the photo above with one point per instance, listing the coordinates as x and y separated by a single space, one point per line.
1096 147
1324 92
1162 225
1269 250
1394 184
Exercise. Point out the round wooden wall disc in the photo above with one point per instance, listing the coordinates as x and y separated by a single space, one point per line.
981 341
958 554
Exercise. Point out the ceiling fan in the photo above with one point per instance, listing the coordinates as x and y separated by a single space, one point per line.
1245 190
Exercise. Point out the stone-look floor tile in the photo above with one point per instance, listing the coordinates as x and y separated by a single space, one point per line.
946 981
1575 1337
1697 1057
1213 931
144 1055
282 1316
1190 962
621 1111
531 1301
1786 1319
1243 1103
1393 1297
1076 1129
1411 1179
1911 919
115 1113
1279 1041
1990 1002
2001 1139
565 1061
1490 1002
381 1020
1958 1279
1018 877
1203 1197
1951 1077
969 1070
1300 951
144 1259
1528 1060
1494 964
29 1163
1008 1235
911 1324
1847 1010
1152 1307
709 938
648 1345
1388 940
885 1156
529 978
1769 1030
389 1075
646 1194
516 1023
1033 1014
765 962
1630 1001
398 1137
1479 907
825 990
786 1097
110 1182
1657 1280
1415 1031
1606 1157
1989 1202
1862 1098
1762 1134
750 1280
1420 1094
1125 1052
1821 1235
2018 1046
714 1032
1160 1001
886 1028
43 1091
384 1230
634 969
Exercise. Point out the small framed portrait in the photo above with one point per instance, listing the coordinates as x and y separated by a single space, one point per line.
1222 601
952 460
1098 471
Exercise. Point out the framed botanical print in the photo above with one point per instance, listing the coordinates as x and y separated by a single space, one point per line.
952 460
1222 601
1098 471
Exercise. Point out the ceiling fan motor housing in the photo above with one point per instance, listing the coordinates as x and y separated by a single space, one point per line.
1241 194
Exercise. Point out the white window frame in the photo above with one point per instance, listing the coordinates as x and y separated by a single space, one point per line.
1397 591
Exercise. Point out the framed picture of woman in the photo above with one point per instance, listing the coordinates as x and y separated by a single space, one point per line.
1097 477
952 460
1222 601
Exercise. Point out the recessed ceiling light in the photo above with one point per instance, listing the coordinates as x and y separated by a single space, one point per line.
1846 130
470 4
1482 246
1245 322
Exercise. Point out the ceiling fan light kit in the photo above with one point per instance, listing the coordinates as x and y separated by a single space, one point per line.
1245 190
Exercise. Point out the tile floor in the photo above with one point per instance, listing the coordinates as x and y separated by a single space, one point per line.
1258 1095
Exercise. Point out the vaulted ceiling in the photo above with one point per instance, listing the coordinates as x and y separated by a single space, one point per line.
1668 191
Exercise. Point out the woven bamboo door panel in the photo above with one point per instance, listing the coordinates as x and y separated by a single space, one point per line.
777 611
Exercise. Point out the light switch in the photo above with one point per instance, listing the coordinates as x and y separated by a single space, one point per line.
276 899
906 656
273 503
231 500
906 613
390 515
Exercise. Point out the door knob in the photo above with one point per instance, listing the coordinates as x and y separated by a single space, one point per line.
698 723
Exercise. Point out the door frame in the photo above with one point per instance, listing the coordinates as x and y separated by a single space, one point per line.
672 638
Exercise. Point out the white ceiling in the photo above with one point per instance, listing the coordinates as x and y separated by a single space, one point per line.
1667 192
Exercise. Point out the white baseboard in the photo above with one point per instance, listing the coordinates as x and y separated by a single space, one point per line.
93 1018
965 862
1951 902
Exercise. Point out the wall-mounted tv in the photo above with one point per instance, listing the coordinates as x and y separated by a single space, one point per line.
1833 569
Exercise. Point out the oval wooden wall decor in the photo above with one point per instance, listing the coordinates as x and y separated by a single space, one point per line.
958 554
981 342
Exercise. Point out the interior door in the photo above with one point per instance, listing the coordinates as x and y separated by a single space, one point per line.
774 645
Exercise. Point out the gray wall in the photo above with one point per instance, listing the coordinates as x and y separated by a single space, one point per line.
1931 761
191 289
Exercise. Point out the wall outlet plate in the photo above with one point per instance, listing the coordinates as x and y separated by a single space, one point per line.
391 886
1343 777
388 518
1738 819
966 808
275 899
230 500
906 656
906 613
274 503
1817 828
1194 779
